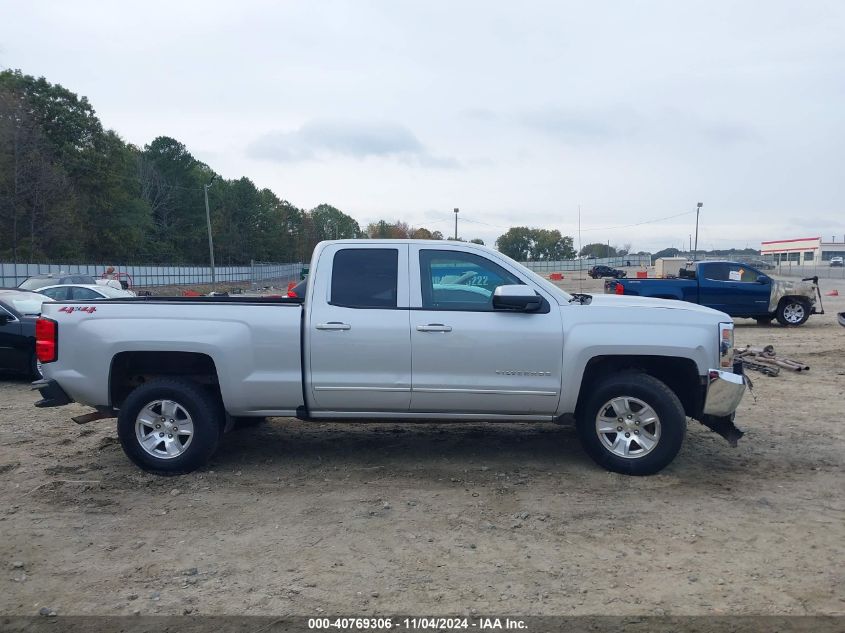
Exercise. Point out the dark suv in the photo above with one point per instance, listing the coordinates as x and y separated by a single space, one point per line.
597 272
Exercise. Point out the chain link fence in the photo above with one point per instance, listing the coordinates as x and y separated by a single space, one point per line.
822 270
260 274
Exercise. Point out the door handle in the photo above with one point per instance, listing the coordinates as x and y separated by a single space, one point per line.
434 327
334 325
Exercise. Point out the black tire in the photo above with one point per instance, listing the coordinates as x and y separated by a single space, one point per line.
206 414
766 320
793 311
652 392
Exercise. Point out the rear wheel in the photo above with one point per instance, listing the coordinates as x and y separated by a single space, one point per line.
170 426
793 311
632 423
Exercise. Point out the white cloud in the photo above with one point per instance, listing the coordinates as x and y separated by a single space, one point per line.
355 139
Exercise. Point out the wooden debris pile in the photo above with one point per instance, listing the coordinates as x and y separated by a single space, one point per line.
764 360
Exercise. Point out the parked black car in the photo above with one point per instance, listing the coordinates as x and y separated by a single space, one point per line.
19 309
49 279
596 272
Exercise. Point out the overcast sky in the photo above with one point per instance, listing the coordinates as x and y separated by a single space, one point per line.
515 112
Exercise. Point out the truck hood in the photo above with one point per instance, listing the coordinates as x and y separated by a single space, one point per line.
633 301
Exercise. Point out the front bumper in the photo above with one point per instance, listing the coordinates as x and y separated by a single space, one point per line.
724 392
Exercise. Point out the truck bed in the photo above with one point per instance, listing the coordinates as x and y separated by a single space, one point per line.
253 344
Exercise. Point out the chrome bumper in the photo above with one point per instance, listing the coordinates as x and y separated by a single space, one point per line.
724 393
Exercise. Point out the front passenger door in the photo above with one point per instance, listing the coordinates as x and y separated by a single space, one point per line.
469 358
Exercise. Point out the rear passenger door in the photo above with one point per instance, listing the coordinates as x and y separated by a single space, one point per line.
359 348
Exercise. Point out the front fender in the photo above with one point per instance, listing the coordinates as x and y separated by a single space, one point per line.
585 341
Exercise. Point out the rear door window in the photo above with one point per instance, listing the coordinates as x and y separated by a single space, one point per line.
59 294
365 278
84 294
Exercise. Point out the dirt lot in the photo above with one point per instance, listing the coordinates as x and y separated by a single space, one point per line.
298 518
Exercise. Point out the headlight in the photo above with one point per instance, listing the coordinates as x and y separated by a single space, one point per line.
726 344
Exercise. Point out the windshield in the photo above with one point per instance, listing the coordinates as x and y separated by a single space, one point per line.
34 283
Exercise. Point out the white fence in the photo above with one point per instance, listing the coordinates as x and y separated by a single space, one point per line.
258 273
545 267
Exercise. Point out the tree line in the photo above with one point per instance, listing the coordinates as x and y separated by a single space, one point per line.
71 190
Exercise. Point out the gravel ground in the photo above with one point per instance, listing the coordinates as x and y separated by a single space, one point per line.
307 518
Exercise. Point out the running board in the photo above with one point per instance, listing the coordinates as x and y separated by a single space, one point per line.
95 415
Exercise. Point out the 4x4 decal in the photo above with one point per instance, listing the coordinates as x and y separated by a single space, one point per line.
70 309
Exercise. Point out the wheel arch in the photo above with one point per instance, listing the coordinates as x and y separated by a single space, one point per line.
800 298
130 369
677 373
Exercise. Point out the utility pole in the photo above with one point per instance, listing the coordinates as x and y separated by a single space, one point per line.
456 223
697 211
690 242
208 224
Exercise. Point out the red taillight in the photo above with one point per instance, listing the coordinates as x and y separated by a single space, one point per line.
620 289
46 340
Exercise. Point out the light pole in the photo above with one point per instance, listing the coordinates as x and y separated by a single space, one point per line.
695 250
456 223
208 224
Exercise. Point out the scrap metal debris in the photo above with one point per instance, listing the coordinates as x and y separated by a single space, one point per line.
764 360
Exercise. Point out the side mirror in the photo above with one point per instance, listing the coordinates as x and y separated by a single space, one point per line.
4 318
763 279
516 298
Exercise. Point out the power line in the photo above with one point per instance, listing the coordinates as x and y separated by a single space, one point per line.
625 226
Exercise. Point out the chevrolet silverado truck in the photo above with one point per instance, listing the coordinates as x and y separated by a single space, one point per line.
734 288
395 330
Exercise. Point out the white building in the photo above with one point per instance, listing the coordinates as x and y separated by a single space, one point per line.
802 250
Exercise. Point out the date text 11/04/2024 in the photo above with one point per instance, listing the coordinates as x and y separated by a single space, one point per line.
417 623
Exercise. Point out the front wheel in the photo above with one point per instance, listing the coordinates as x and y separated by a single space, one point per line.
170 426
793 312
632 423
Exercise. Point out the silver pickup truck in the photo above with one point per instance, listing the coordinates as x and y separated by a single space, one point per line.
396 330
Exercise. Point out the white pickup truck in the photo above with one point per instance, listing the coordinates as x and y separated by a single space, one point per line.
396 330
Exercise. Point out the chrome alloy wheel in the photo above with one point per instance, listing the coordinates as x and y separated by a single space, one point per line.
628 427
164 429
794 312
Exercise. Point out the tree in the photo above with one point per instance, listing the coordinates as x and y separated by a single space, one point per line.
522 243
331 223
598 250
666 252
